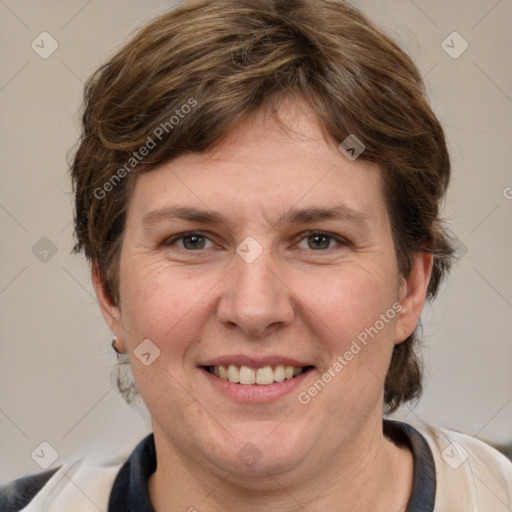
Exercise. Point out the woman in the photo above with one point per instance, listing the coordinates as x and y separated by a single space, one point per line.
257 190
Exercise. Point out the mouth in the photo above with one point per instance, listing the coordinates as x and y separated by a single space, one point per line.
267 375
255 380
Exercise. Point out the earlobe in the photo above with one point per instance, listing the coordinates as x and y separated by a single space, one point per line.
413 293
109 310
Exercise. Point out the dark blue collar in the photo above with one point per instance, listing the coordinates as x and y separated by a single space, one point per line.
423 492
130 490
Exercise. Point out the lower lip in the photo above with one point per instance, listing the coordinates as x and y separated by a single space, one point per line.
255 393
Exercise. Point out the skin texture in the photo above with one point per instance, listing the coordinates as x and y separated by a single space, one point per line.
295 300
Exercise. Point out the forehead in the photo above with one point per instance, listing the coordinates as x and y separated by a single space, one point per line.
268 164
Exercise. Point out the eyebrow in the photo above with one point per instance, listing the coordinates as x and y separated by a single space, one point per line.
313 214
294 216
170 213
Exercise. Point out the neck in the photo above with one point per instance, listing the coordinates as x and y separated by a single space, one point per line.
375 475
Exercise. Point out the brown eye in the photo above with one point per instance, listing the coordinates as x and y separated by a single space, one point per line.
189 241
194 242
319 241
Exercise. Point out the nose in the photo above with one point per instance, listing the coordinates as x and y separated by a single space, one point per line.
256 298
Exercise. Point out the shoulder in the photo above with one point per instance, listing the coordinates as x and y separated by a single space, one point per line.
82 486
470 474
19 493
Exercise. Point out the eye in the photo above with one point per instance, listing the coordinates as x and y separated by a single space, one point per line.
318 241
190 241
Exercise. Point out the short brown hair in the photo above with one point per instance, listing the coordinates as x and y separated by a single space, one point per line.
227 59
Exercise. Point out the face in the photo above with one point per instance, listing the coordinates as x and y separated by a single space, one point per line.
268 258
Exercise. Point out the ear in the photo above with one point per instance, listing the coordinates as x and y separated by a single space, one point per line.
109 310
413 291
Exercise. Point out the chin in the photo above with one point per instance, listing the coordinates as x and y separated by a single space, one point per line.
257 451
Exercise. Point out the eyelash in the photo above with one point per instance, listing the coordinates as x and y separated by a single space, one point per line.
339 240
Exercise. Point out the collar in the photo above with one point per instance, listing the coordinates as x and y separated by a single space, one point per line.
130 490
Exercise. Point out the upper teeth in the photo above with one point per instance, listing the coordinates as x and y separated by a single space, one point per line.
247 375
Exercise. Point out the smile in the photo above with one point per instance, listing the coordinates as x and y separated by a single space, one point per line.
249 379
264 376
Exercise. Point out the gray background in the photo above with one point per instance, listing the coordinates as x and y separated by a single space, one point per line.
56 360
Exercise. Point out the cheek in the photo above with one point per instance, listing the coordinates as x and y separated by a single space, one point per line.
356 327
354 319
158 300
346 304
167 308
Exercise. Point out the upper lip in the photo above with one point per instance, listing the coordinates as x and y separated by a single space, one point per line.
253 362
